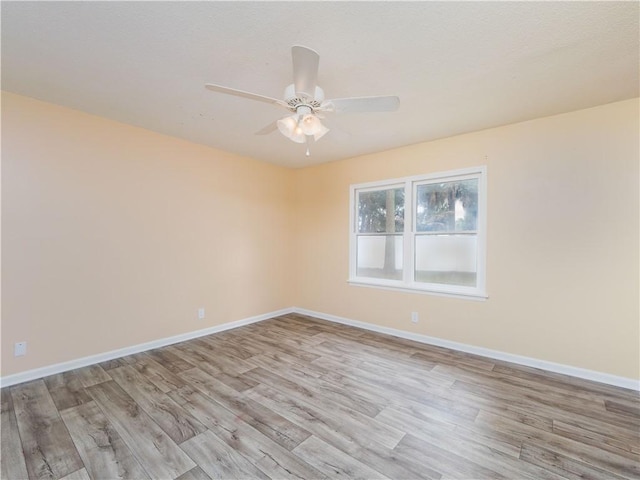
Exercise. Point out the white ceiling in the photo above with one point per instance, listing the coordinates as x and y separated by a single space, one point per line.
457 67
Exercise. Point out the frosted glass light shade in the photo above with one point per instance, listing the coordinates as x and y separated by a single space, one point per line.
298 136
310 124
287 126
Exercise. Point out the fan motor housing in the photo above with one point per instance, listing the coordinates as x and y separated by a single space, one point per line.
294 100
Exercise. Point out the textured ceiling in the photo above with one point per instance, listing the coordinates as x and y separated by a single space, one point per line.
457 67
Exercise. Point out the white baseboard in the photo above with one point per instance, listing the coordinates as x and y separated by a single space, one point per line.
142 347
463 347
484 352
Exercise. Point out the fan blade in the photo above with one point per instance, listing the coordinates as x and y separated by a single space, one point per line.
272 127
362 104
305 70
241 93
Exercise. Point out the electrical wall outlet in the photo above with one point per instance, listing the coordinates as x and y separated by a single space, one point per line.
20 349
414 317
201 313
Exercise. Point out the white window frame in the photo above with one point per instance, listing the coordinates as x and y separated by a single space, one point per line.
408 282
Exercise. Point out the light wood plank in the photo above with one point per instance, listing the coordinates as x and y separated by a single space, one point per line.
92 375
114 363
309 386
12 463
66 390
585 453
169 359
530 400
266 421
223 347
277 363
153 448
162 378
104 453
410 379
565 467
176 423
276 461
567 382
434 428
194 474
262 345
629 408
389 382
374 354
78 475
605 439
333 462
340 433
48 448
239 383
440 459
218 459
500 457
202 361
366 426
228 364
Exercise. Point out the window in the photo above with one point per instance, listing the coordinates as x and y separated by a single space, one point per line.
424 233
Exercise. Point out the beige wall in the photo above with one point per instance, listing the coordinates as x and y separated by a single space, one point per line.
114 235
562 262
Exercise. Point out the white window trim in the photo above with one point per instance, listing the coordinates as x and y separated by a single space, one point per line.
408 284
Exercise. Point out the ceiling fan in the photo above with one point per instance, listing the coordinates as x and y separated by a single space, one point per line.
304 99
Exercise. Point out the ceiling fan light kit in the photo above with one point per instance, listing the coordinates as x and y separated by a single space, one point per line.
301 124
307 107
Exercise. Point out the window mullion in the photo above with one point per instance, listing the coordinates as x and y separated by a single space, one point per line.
408 270
353 218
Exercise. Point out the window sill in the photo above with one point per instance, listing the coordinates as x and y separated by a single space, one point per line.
477 296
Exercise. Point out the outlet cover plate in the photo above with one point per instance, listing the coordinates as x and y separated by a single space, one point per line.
20 349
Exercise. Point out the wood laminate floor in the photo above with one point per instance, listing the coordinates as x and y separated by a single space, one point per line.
296 397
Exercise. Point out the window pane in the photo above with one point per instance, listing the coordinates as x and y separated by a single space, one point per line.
447 207
448 259
379 256
381 211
